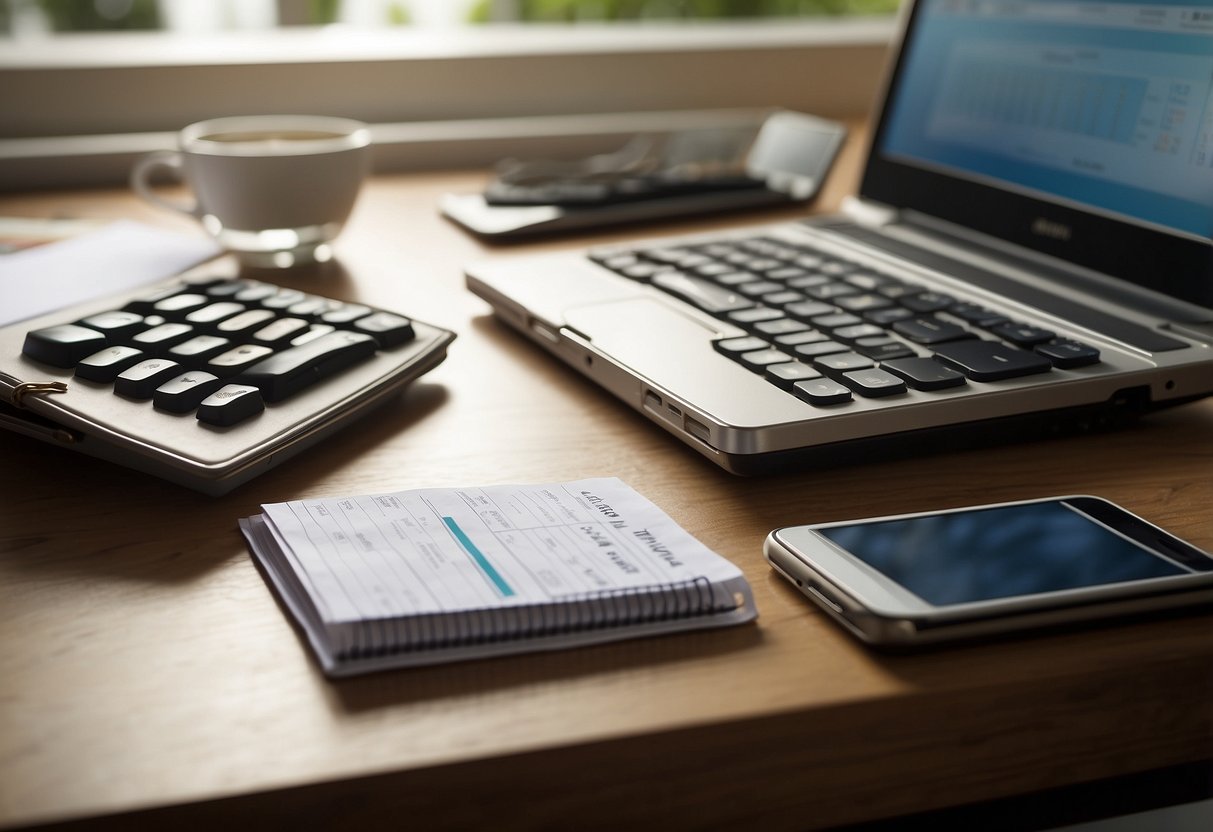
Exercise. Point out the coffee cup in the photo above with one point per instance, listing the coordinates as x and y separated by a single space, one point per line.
275 190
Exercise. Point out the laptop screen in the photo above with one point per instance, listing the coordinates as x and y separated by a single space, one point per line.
1059 124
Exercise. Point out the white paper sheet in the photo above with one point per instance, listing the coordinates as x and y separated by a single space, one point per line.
118 257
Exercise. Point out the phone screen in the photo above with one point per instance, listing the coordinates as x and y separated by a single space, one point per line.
1001 552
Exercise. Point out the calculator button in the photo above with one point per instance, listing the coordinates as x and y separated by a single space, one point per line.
213 313
62 346
139 381
186 391
280 331
345 313
388 329
199 348
286 373
230 404
115 325
162 337
246 322
104 366
237 359
180 305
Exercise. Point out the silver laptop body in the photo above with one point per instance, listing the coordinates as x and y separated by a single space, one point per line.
1039 186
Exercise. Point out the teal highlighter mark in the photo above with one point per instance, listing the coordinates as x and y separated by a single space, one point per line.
478 556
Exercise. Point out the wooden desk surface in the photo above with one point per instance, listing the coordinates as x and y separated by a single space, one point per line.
144 664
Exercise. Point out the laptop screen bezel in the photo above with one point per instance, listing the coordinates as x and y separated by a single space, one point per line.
1171 263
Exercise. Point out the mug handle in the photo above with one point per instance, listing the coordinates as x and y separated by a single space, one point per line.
170 160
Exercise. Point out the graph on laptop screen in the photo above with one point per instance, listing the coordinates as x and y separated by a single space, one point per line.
1105 106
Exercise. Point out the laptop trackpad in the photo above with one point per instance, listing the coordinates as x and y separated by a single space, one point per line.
674 352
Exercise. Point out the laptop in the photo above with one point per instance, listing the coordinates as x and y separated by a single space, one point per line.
1029 252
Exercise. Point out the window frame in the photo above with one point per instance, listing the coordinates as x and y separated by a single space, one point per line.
79 108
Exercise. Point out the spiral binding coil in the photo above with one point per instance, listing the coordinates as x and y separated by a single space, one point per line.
379 637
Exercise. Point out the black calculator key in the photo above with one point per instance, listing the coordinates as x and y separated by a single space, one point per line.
388 329
246 323
345 313
162 337
238 359
1067 354
199 348
787 374
991 360
822 391
874 383
286 373
926 329
180 305
924 373
116 325
186 391
280 332
139 381
105 365
230 404
147 303
62 346
282 299
213 313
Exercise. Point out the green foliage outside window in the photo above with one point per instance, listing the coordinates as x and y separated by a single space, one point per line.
573 10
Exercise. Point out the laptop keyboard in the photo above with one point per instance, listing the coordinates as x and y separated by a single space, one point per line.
220 348
826 329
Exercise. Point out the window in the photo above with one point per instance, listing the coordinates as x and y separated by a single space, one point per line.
96 82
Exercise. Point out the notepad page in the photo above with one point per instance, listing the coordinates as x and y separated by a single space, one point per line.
442 550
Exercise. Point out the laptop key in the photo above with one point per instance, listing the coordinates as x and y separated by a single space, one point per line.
882 349
1023 335
786 375
816 348
749 318
822 391
835 364
780 326
927 301
873 383
926 329
702 293
734 347
759 360
991 360
1066 354
924 373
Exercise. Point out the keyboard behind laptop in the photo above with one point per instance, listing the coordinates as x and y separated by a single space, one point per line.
827 329
206 381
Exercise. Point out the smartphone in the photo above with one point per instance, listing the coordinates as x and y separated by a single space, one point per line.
933 577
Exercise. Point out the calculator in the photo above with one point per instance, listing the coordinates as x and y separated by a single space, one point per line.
206 380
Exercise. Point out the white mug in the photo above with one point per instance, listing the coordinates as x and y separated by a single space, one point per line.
275 190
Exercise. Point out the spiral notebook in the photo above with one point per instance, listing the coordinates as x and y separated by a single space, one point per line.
438 575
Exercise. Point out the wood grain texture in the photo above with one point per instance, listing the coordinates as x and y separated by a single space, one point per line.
145 667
